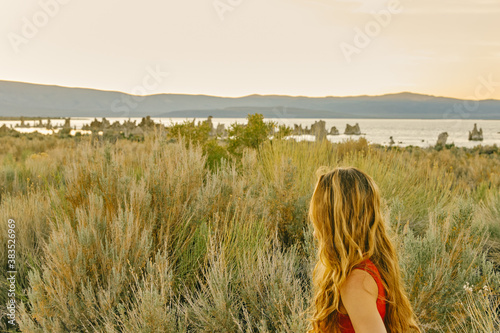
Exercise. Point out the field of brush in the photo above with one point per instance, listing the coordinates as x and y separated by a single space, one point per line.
148 237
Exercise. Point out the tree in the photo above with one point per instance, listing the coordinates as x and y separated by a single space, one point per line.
250 135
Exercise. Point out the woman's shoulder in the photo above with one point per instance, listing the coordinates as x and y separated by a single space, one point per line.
359 281
369 268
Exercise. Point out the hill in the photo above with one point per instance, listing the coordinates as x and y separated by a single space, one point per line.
26 99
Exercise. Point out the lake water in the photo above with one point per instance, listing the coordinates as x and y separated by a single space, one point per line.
416 132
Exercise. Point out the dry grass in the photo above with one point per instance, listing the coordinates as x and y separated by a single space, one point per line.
144 237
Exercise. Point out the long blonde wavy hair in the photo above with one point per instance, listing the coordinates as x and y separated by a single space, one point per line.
345 212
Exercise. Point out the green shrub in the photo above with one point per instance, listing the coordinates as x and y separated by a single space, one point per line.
251 135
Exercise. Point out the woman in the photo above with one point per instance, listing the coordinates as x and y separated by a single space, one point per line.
358 287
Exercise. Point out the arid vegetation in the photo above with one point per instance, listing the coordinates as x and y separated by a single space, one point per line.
180 232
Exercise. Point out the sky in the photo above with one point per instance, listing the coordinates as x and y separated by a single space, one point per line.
243 47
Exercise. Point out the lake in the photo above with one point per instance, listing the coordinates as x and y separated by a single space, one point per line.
416 132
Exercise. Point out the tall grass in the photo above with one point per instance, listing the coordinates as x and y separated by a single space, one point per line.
479 310
149 237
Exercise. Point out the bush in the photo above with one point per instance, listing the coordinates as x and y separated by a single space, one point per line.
190 133
215 153
251 135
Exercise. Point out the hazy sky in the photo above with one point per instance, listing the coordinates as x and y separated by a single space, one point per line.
242 47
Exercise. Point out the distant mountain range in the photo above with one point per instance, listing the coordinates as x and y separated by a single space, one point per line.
26 99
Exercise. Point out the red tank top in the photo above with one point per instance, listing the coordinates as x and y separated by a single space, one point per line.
367 265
